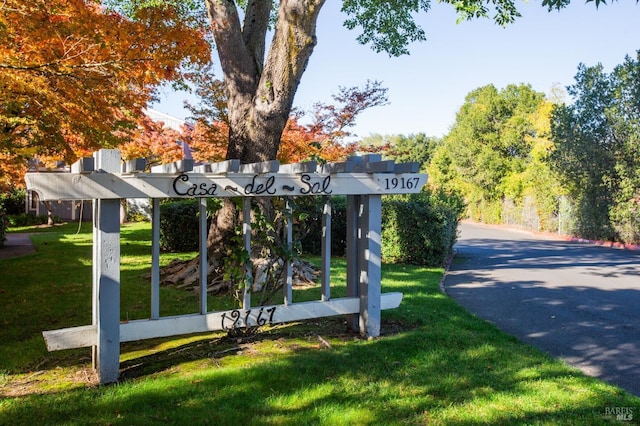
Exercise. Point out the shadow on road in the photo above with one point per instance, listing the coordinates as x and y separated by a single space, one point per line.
576 302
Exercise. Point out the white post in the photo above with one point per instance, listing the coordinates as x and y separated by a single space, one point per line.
155 259
353 206
106 284
204 261
288 285
369 252
246 235
325 273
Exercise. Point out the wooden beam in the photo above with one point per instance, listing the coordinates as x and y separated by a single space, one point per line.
227 166
333 168
288 286
375 167
83 165
84 336
68 186
413 167
155 258
297 168
135 165
106 283
179 166
204 257
369 264
260 168
246 239
325 250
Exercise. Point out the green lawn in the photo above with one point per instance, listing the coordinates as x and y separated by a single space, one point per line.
434 363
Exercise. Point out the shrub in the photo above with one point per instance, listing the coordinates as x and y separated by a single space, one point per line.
13 201
25 219
179 225
4 224
311 226
417 228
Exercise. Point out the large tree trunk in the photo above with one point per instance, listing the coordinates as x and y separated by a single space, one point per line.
260 94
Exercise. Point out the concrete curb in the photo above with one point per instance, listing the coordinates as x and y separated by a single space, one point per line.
555 236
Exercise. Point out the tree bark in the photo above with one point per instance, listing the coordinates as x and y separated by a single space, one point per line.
260 90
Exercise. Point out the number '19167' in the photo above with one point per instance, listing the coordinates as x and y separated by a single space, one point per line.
235 319
401 183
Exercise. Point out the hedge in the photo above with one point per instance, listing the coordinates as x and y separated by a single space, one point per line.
13 201
311 241
179 225
417 229
4 224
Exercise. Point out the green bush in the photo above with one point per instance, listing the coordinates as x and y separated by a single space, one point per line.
13 201
419 229
25 219
4 224
179 225
311 240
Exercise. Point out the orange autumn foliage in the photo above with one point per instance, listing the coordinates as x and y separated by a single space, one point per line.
303 143
208 143
153 142
74 77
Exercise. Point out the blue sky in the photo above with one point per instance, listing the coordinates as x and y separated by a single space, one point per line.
427 88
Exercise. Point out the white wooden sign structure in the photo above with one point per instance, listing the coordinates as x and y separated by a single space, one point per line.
106 180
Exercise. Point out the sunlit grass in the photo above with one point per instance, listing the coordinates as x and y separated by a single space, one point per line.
433 364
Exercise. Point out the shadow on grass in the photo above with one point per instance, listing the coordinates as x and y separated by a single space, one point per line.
52 289
411 377
435 364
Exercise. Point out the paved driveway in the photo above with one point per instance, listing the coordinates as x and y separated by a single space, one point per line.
578 302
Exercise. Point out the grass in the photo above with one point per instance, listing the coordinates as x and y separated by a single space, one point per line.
434 364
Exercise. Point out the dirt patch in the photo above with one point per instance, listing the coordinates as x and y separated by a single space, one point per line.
47 381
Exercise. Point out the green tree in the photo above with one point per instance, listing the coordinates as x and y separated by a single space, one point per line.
261 79
535 190
597 151
403 149
496 156
488 147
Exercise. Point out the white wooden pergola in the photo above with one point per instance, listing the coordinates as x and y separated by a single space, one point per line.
107 180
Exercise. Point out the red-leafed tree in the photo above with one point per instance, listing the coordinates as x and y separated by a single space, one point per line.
152 141
323 139
72 74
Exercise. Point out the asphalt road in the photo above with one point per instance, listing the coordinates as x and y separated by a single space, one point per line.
578 302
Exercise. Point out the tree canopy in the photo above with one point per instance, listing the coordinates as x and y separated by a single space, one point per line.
73 73
598 150
261 77
496 150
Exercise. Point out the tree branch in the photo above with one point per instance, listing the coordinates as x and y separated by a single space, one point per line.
292 45
237 66
256 24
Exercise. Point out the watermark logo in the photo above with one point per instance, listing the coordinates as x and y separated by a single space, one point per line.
624 414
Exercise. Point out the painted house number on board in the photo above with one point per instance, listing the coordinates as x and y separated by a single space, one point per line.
233 319
401 183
